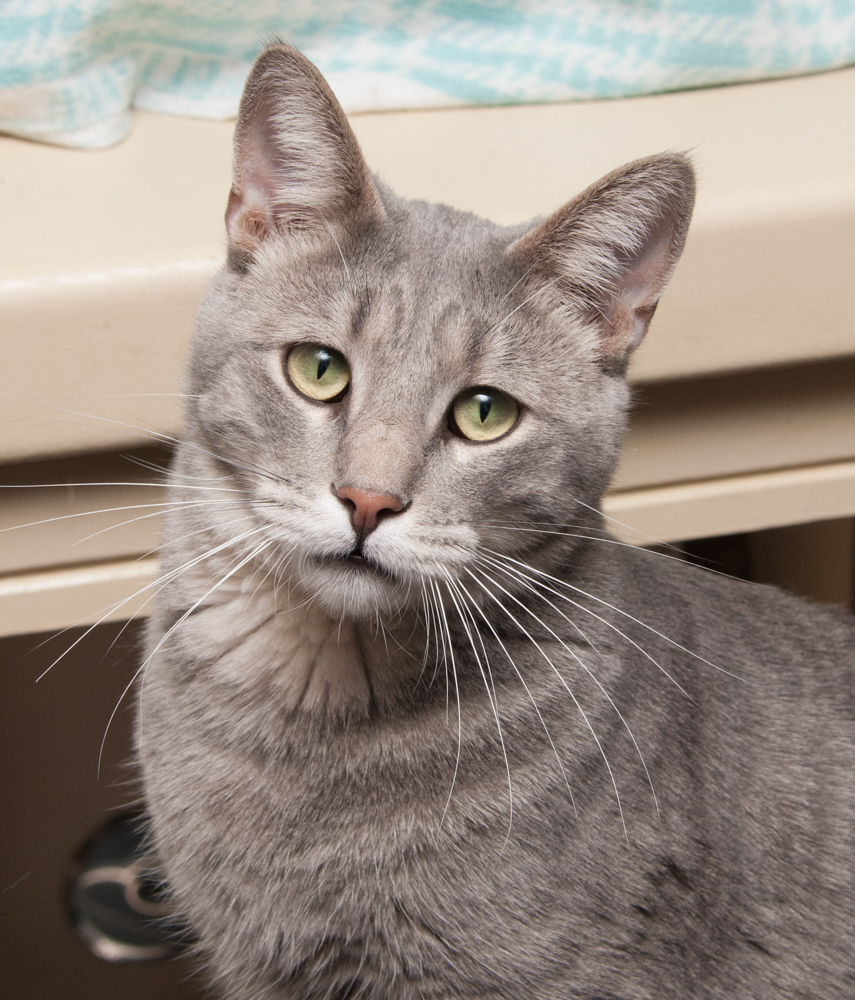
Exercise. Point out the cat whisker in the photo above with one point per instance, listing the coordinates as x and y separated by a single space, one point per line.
534 294
528 583
681 558
583 537
550 525
280 565
519 280
565 534
528 692
587 670
192 534
431 608
154 467
617 610
284 573
266 576
427 625
164 438
159 485
170 475
432 635
382 630
489 684
145 395
338 247
401 647
166 635
437 603
155 586
116 708
599 618
179 505
450 651
195 505
564 684
237 562
105 612
629 527
87 513
140 669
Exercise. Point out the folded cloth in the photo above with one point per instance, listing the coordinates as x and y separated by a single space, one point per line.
70 70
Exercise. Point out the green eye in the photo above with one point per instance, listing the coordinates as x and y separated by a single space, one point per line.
318 372
482 414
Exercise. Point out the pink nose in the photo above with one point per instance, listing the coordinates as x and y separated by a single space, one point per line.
366 507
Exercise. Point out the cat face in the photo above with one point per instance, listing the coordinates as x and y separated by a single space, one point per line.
400 389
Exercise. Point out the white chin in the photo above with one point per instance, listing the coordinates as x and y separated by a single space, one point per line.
355 592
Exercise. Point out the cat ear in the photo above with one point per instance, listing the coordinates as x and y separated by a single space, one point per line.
297 164
614 248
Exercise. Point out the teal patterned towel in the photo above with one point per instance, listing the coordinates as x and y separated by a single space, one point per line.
71 69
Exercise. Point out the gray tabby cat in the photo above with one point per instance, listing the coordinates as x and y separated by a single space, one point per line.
413 725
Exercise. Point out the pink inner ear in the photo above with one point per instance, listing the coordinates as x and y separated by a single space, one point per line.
232 208
250 209
636 292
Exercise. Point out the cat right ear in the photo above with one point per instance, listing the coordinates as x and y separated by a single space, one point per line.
297 165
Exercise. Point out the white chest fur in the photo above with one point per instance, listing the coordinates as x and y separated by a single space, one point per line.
276 645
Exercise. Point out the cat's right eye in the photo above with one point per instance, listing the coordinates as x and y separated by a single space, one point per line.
318 372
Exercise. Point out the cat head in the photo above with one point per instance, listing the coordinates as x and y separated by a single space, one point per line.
401 390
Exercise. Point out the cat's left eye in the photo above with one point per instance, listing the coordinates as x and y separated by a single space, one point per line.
318 372
483 414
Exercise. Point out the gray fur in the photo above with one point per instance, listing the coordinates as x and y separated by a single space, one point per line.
506 757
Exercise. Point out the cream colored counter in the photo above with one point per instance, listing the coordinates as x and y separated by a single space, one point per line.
104 257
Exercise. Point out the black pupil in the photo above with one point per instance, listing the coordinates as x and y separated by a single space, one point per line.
323 363
485 405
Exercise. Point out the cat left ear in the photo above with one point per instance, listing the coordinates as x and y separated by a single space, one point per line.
613 249
297 164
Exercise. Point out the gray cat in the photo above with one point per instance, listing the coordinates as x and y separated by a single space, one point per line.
413 725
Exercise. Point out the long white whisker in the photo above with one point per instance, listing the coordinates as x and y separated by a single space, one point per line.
169 632
587 670
169 439
439 645
534 294
145 662
492 697
441 611
175 539
338 247
612 607
571 534
426 651
613 541
160 486
599 618
112 510
159 583
442 634
517 671
146 517
614 520
525 274
564 683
